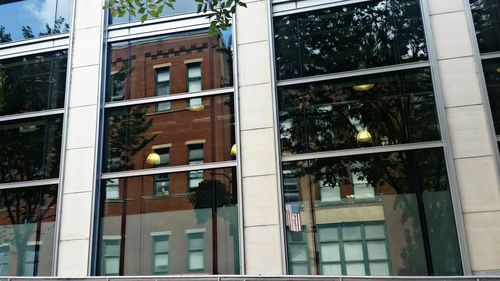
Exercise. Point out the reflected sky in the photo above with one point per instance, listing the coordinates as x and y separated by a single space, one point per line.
39 15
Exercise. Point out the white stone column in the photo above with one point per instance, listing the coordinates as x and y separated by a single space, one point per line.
78 177
471 139
263 245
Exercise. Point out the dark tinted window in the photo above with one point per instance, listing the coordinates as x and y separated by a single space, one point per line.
32 83
492 76
486 14
368 34
393 108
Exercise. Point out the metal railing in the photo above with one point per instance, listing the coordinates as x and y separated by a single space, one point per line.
255 278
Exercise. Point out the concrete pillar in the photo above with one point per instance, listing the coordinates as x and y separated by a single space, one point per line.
263 245
471 139
78 178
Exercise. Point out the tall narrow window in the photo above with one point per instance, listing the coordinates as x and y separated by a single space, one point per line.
117 85
4 259
162 181
298 253
112 189
161 247
195 156
162 87
194 82
111 256
196 248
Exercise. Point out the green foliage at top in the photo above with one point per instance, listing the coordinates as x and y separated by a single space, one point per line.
219 11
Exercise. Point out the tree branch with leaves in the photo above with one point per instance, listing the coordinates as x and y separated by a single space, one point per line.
220 12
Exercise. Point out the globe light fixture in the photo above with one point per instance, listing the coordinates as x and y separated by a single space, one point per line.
363 87
234 150
196 107
153 158
364 136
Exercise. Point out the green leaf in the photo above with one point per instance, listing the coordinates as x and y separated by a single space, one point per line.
144 18
132 12
160 9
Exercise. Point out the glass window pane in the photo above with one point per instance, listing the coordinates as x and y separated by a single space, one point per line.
375 231
194 70
491 70
351 233
33 147
375 110
328 234
112 266
181 7
27 19
487 24
355 269
376 250
132 133
188 215
379 268
330 252
353 251
331 269
163 75
194 86
349 37
196 261
27 230
299 269
134 61
298 252
32 83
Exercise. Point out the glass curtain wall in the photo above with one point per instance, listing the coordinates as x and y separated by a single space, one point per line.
25 19
486 16
32 90
169 179
365 186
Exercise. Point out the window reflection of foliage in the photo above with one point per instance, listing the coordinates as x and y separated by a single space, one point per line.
126 135
59 26
33 154
486 15
320 116
27 209
492 76
212 194
369 34
32 83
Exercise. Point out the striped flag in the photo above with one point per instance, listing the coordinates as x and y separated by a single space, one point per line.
293 217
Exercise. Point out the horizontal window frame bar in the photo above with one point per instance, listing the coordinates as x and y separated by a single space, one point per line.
134 30
33 183
353 73
492 55
173 97
34 52
129 25
362 151
312 7
169 170
193 277
34 41
33 114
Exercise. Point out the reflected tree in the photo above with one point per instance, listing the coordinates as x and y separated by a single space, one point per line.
26 210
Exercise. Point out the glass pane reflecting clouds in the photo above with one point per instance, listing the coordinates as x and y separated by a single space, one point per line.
410 216
30 149
27 220
33 18
132 133
134 64
201 225
32 83
362 35
393 108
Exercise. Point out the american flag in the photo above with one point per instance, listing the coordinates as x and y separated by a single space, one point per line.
293 217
